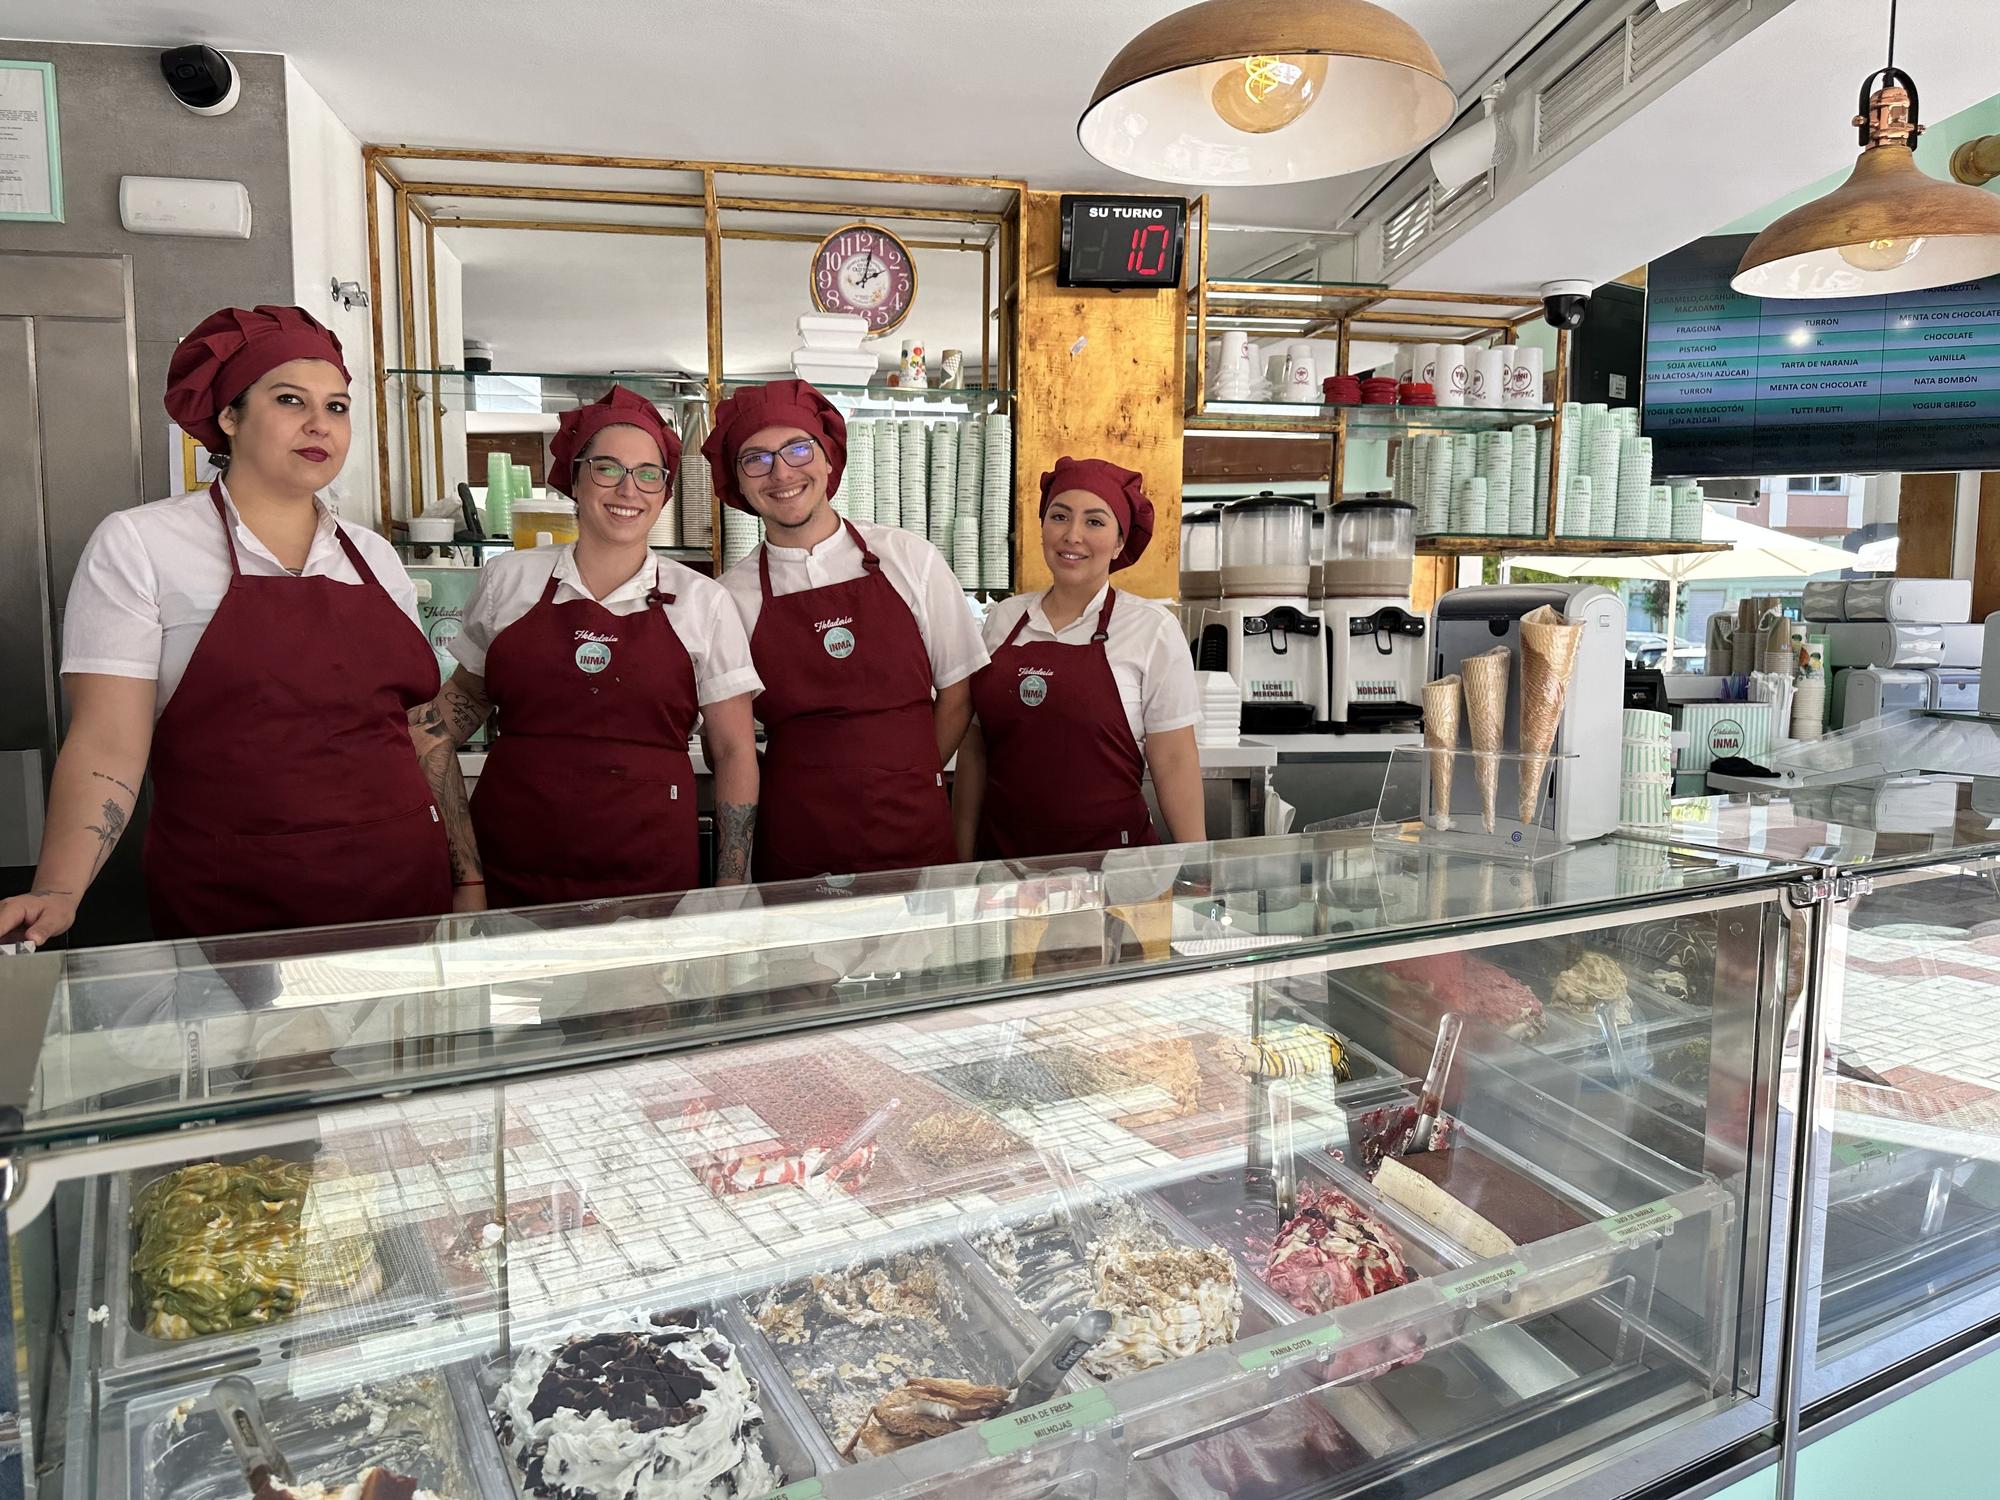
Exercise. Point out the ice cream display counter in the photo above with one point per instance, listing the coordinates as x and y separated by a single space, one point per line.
1289 1167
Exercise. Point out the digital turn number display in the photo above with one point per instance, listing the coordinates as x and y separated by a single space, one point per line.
1121 242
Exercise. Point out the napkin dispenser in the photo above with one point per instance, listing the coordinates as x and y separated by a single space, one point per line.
1471 620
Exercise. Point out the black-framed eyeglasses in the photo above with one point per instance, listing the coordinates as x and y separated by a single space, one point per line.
650 479
756 463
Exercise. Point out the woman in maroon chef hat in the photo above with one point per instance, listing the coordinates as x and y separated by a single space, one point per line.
864 642
1087 688
601 657
259 658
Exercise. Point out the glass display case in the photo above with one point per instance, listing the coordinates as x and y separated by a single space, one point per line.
1906 1160
1297 1166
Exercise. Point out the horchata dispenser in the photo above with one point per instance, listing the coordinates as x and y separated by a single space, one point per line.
1266 631
1375 654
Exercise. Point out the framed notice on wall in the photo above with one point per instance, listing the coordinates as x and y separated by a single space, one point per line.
30 144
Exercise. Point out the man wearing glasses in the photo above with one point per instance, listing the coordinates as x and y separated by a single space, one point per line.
863 641
601 656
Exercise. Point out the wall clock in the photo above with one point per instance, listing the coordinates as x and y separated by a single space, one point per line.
864 270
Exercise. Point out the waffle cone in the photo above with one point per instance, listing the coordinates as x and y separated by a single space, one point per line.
1549 645
1441 699
1486 714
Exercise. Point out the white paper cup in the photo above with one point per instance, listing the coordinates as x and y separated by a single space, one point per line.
1450 376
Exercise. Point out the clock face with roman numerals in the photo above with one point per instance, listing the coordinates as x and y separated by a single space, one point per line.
866 271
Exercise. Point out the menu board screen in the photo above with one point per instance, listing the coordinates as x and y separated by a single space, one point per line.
1749 385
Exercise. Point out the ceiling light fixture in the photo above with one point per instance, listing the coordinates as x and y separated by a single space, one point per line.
1239 93
1889 227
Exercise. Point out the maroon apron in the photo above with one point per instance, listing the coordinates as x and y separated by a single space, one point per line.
286 790
852 781
588 792
1063 773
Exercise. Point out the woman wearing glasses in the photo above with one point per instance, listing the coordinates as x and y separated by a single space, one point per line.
600 657
864 642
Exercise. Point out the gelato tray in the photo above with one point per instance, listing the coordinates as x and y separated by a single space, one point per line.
172 1446
673 1404
858 1344
218 1261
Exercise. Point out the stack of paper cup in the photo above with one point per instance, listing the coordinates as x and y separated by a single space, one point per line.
1423 368
913 471
1659 511
1686 516
1524 376
1439 480
996 503
1575 516
1521 482
856 499
1496 466
1809 707
1543 445
1468 507
888 475
943 443
1486 378
1646 784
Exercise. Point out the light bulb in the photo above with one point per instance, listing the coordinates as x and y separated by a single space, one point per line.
1884 254
1265 93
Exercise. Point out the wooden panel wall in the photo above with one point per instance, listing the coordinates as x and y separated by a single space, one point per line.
1100 376
1986 555
1924 525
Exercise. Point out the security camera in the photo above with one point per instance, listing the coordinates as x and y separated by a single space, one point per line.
202 79
1563 302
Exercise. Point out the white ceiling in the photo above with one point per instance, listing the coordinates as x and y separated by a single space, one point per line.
961 86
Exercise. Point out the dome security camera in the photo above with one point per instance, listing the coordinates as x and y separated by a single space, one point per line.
1564 302
203 80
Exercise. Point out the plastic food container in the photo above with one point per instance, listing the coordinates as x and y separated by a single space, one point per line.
544 523
1267 547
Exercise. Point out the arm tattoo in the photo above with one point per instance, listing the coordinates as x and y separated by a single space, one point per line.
437 754
107 833
735 822
117 783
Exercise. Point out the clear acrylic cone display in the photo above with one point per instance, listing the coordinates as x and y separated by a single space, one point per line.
1441 702
1406 815
1486 676
1549 645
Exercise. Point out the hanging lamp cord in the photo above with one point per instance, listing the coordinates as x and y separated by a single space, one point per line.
1890 75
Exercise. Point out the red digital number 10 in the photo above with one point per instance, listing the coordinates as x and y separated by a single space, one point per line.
1147 258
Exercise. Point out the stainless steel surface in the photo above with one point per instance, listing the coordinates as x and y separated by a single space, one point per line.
22 784
69 427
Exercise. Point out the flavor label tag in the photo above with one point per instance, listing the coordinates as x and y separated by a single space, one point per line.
1637 1223
1270 1354
803 1489
1481 1281
1023 1429
1860 1149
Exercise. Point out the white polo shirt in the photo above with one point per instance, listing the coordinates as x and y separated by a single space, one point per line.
915 568
702 614
151 577
1148 655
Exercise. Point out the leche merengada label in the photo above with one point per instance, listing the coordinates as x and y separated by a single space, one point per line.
1480 1281
1637 1223
1266 1355
1023 1429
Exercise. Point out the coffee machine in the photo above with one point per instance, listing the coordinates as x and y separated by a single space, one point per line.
1589 740
1375 654
1264 631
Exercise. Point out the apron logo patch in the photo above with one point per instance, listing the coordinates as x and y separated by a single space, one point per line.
593 656
839 642
1034 690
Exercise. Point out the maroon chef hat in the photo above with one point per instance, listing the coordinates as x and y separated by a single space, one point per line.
227 354
1117 488
781 403
618 408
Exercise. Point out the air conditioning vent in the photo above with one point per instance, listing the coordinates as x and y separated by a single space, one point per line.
1647 44
1587 90
1659 35
1406 228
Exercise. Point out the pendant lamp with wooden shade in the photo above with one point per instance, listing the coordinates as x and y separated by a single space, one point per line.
1889 227
1243 93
